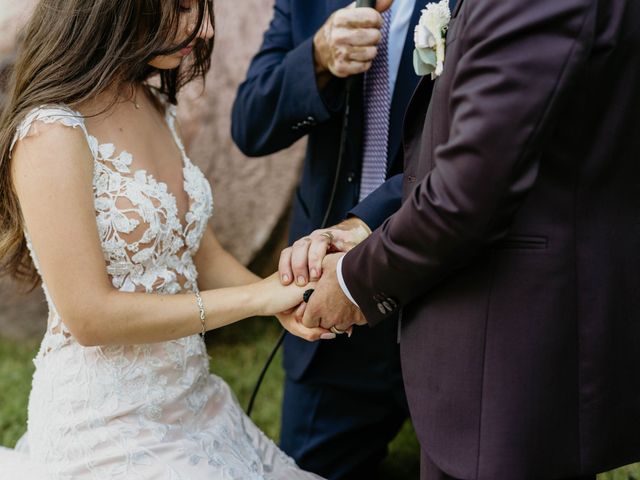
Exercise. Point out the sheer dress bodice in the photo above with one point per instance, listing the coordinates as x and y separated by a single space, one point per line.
146 247
142 411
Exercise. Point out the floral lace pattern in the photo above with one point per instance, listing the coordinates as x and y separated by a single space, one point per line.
164 251
144 411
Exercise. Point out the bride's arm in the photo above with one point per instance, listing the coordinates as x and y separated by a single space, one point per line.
52 174
217 268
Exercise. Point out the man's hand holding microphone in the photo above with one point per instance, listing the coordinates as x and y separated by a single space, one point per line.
347 42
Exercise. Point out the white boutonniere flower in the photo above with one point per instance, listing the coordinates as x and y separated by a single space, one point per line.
429 37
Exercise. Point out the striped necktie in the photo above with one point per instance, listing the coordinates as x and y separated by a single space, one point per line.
377 110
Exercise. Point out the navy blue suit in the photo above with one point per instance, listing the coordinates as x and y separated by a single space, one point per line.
344 399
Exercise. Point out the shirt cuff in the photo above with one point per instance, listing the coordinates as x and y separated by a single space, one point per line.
343 285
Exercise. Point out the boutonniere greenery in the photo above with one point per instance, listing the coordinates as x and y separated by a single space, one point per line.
429 37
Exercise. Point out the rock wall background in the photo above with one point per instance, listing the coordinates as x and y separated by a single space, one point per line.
252 196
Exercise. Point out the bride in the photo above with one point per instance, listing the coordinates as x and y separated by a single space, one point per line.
100 202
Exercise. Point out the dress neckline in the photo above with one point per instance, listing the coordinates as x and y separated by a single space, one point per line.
103 153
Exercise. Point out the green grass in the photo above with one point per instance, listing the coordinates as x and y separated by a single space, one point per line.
237 354
16 369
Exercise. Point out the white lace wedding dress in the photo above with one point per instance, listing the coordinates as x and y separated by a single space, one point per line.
145 412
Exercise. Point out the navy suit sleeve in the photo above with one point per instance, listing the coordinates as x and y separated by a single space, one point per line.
279 102
381 203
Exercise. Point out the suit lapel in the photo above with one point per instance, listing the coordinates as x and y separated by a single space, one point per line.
408 83
455 6
405 85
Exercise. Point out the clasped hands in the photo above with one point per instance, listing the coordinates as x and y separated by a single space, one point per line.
314 259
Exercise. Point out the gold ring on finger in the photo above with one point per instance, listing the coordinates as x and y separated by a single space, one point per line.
328 236
337 331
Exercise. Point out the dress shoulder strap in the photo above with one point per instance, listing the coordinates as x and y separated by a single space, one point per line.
49 114
171 115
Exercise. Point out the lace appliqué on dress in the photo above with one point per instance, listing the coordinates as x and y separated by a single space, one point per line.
144 411
162 255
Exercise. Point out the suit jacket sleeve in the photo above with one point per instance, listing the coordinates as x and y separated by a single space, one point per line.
518 62
279 102
381 203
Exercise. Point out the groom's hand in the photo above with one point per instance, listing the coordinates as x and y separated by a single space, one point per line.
303 261
328 306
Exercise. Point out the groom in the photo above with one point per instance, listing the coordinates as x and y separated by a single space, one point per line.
515 257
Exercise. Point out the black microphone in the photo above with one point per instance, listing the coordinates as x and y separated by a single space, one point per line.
361 4
350 86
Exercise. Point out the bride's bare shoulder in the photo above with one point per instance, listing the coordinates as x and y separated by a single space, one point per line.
49 137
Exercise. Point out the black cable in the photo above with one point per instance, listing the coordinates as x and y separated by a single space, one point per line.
351 82
336 180
264 372
341 152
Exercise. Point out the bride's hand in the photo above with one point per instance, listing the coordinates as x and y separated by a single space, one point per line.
282 302
295 327
274 298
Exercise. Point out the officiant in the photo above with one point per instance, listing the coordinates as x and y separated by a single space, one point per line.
344 399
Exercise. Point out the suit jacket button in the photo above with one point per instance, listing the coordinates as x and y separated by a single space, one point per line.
411 179
382 309
388 306
351 177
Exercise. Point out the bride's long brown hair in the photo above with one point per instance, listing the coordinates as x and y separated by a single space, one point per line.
71 51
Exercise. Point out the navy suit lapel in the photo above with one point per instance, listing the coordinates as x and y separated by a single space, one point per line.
405 85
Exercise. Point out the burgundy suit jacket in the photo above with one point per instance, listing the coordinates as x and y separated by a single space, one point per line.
515 256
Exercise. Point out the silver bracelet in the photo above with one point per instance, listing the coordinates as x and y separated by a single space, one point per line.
203 315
